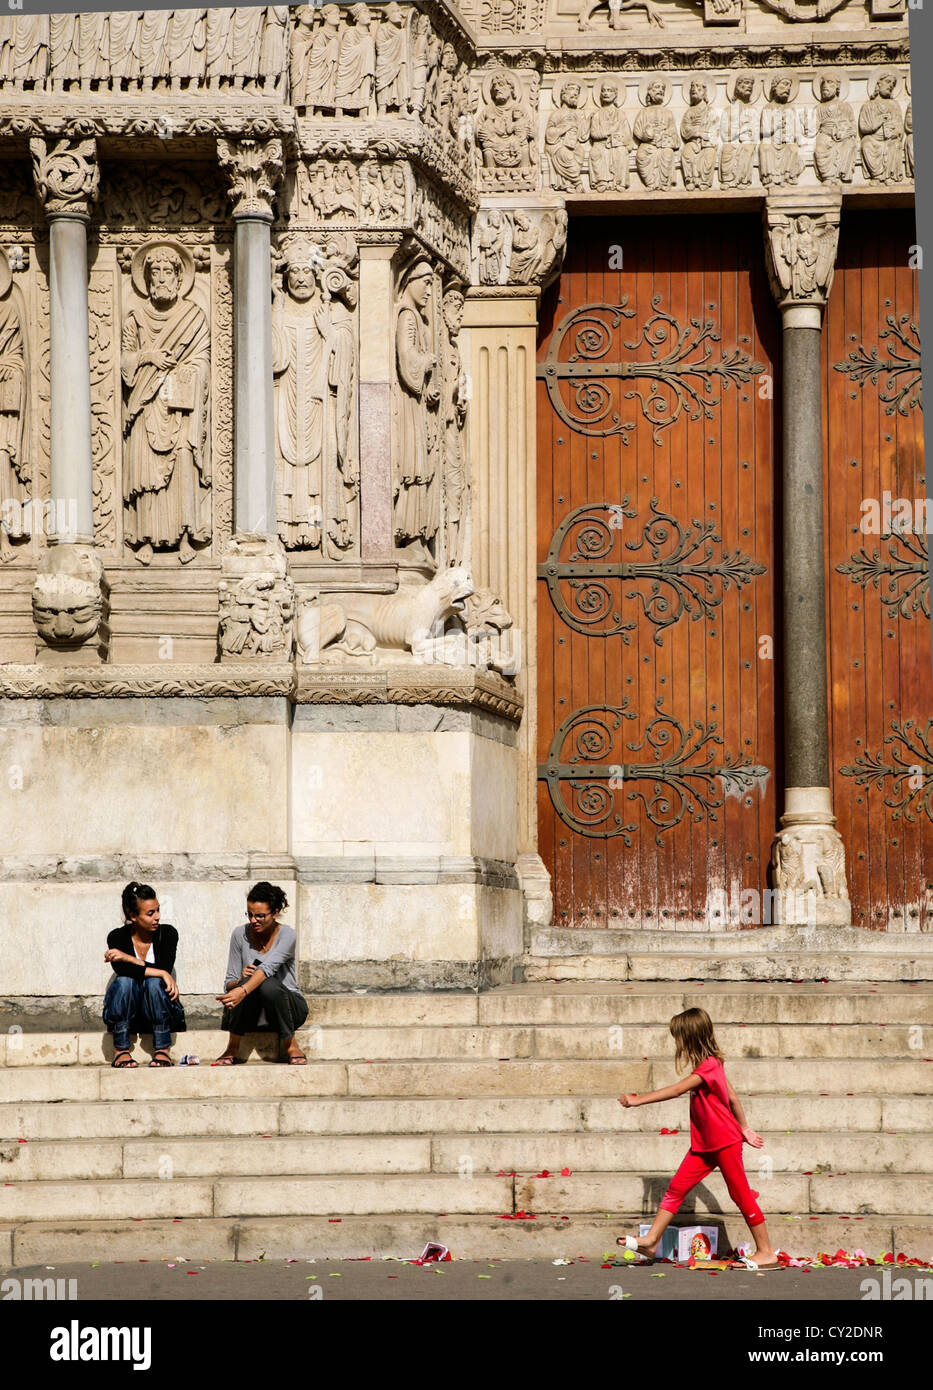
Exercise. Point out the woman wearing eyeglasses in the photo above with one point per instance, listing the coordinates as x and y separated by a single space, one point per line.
260 978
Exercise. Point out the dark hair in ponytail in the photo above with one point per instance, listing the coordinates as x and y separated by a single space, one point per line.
267 893
133 894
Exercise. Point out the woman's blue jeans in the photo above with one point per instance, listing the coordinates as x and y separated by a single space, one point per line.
139 1006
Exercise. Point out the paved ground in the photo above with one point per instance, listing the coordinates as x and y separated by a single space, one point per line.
495 1280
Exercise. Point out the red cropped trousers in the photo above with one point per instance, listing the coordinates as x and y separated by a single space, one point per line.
697 1166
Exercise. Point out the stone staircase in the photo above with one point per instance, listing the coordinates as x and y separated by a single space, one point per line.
434 1116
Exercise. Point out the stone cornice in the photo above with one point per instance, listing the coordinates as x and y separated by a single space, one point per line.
797 48
465 687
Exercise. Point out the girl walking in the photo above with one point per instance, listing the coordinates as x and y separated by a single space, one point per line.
718 1128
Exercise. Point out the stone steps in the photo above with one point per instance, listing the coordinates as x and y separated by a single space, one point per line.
840 1116
314 1155
551 1041
755 966
424 1116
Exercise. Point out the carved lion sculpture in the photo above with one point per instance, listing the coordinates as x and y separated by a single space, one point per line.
365 624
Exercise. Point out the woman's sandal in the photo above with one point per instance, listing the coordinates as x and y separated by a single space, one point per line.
296 1059
631 1243
161 1058
225 1060
122 1066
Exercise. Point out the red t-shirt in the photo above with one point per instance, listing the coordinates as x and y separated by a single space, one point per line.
712 1123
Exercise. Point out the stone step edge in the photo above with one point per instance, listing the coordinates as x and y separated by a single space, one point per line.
450 1135
241 1240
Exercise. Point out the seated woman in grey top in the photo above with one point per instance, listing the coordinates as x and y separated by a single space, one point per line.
260 978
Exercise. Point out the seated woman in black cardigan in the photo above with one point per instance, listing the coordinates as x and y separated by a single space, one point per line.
260 978
142 997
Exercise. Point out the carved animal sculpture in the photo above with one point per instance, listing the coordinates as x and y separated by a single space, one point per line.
359 624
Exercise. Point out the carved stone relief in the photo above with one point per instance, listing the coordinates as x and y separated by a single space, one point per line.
505 131
524 247
415 425
881 127
15 377
454 412
314 363
836 146
165 365
566 138
801 256
256 601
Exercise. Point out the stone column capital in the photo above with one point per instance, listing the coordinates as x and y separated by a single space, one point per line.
518 243
253 169
801 241
66 174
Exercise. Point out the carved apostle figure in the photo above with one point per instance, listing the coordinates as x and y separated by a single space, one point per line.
14 377
778 155
315 85
739 131
273 49
417 397
356 63
565 140
393 86
881 127
836 143
455 411
504 131
217 47
122 34
64 68
490 246
420 39
314 367
153 30
610 141
184 47
698 156
909 140
656 137
246 44
165 365
30 48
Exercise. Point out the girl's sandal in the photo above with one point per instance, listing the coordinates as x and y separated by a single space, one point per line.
129 1062
161 1058
630 1243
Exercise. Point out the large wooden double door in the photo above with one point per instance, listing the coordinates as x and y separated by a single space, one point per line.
659 645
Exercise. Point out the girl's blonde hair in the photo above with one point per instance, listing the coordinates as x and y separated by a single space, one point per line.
694 1038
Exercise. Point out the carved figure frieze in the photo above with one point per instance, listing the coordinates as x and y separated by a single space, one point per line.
881 127
836 145
610 141
808 862
161 195
524 247
443 225
314 363
505 133
416 401
165 366
566 138
656 137
256 600
456 475
698 134
738 128
779 161
356 62
392 74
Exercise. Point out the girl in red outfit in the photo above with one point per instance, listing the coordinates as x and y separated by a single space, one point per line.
717 1129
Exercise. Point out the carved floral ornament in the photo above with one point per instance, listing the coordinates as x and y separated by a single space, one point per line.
254 170
67 175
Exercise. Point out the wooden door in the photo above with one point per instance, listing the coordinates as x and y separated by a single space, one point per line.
878 585
656 590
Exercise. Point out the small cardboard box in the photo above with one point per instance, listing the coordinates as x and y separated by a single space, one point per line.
696 1242
667 1250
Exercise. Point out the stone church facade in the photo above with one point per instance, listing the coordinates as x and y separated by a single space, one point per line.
435 446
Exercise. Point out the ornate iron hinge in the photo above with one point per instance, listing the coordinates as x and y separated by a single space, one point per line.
915 596
580 756
910 769
690 384
689 572
902 389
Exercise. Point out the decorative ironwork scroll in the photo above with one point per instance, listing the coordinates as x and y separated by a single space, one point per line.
680 383
910 769
914 569
688 571
900 367
581 757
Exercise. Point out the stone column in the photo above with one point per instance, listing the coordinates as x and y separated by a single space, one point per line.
808 857
257 597
253 169
67 178
70 591
513 260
